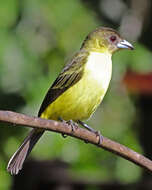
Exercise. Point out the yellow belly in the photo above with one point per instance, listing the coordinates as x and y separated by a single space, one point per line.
77 103
81 100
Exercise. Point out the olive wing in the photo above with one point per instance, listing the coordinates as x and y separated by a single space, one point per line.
69 76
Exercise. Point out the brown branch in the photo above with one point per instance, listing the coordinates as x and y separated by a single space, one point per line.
80 133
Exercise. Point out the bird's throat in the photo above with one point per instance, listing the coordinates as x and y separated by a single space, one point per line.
99 68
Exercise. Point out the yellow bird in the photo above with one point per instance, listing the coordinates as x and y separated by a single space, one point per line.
79 88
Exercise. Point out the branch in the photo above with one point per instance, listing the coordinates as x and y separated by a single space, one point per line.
80 133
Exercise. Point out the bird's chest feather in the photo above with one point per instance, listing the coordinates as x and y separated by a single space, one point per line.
90 90
95 81
98 70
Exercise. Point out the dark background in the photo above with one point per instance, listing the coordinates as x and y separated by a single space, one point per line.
36 39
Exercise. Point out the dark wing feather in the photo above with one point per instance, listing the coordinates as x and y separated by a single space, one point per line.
69 76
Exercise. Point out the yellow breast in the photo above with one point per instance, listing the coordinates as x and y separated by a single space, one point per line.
81 100
99 67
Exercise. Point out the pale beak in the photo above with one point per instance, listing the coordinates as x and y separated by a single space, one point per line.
125 45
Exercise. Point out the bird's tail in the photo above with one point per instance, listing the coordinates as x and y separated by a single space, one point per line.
16 162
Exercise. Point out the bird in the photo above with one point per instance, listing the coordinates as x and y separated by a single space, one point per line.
79 88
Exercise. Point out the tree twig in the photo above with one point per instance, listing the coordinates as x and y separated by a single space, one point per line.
80 133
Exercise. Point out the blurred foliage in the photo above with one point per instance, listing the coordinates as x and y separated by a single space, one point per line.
37 38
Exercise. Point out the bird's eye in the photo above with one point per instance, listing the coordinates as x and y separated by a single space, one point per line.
113 38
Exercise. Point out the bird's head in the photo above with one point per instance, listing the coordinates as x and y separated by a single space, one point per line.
105 39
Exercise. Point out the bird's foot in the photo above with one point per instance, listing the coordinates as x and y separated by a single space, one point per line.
98 134
73 125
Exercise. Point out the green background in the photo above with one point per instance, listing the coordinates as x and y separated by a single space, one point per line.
36 39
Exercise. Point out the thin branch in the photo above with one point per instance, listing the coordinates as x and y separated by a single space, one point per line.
80 133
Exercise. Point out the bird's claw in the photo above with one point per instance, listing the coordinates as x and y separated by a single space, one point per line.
98 134
73 125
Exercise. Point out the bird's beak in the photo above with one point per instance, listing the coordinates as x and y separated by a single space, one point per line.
125 45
